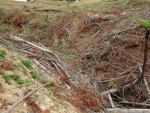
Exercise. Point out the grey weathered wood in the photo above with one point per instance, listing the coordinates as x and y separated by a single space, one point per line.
119 110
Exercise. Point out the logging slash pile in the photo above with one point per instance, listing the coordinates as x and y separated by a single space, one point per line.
97 55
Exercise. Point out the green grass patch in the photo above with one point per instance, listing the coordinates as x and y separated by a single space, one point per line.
61 95
27 83
7 79
2 54
20 81
37 95
6 43
27 63
15 77
35 75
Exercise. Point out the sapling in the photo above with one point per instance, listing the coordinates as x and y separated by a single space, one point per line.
146 25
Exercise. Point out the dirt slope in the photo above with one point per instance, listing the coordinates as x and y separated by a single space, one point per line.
10 94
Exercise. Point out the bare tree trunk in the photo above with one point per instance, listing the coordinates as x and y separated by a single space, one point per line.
145 55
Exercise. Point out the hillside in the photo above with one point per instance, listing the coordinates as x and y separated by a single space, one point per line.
11 90
89 54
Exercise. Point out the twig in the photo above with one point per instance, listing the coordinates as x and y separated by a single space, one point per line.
116 90
40 65
127 71
57 68
111 101
39 101
130 74
117 33
145 82
96 33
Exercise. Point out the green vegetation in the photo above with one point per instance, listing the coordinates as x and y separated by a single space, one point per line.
15 66
61 95
53 99
37 95
118 86
2 72
14 77
72 55
20 81
7 79
10 56
6 43
2 54
82 35
27 83
52 89
17 78
144 23
51 83
21 65
35 75
108 57
27 63
111 83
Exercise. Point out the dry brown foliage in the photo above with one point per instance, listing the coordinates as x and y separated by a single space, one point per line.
1 88
6 65
14 17
34 106
3 103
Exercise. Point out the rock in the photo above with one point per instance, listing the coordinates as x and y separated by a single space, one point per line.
42 107
51 104
47 99
24 104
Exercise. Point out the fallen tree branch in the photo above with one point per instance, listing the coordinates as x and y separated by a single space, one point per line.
121 110
111 101
116 90
13 106
134 103
117 33
38 47
40 65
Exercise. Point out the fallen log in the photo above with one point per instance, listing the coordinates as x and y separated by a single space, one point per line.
121 110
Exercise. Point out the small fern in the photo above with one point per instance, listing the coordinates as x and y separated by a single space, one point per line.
2 54
15 76
7 79
35 75
27 63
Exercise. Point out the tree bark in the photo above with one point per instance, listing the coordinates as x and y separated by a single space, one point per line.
145 55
